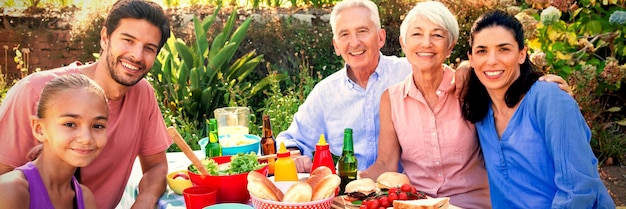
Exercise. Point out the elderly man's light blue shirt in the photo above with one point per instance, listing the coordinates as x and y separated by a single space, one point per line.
337 103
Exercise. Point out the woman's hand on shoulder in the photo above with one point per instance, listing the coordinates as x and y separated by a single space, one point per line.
559 81
461 78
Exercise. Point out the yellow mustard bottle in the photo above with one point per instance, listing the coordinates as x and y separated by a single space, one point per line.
285 167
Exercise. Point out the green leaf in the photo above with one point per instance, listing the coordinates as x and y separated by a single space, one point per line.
594 27
223 56
558 46
228 27
614 109
241 31
267 81
217 45
185 53
194 79
202 44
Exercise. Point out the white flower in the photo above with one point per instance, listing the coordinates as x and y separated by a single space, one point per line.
550 15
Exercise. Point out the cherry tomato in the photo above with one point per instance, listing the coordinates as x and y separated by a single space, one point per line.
405 188
363 206
384 202
393 190
373 204
391 197
413 190
403 196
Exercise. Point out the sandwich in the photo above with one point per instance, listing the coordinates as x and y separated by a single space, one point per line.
391 179
432 203
360 189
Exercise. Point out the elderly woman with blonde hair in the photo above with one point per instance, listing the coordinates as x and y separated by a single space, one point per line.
421 125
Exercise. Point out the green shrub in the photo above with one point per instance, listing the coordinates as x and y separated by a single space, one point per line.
281 105
194 80
580 43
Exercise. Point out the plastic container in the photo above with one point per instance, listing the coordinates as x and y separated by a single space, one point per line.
285 167
233 150
198 197
322 156
178 184
230 189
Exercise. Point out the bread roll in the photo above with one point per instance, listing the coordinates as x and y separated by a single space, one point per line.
392 179
317 175
432 203
326 187
263 188
298 192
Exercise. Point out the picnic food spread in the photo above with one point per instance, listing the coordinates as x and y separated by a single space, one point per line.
389 187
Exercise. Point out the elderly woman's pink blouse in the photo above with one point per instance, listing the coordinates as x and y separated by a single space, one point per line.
440 151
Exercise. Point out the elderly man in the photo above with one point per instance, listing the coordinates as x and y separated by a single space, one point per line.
350 97
133 34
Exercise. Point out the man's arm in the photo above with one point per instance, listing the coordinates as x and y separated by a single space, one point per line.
152 184
5 168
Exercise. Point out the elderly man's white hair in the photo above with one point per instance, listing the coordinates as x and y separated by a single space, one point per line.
347 4
436 13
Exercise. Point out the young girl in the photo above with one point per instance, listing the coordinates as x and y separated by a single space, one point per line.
534 139
70 124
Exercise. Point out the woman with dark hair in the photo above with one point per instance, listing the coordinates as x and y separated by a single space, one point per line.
531 160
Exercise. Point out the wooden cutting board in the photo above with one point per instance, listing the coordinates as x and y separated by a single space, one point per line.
339 203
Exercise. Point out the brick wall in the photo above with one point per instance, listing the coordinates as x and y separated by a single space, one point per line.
48 40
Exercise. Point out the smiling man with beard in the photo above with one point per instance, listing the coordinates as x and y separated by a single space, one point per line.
133 34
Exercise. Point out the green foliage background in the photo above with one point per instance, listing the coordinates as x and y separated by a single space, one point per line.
285 58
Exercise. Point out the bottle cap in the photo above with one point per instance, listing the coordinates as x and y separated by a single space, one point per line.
283 152
322 140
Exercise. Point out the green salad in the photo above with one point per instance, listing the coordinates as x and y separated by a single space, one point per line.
239 163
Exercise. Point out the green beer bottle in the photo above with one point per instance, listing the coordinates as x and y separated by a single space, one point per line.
213 147
347 163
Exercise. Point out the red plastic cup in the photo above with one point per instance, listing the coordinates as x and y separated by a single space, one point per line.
198 197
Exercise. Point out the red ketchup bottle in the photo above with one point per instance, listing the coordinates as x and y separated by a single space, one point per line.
323 157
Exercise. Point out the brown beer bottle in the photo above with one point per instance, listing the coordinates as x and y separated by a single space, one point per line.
268 144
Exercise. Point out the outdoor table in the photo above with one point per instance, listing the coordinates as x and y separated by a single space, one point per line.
178 161
170 200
